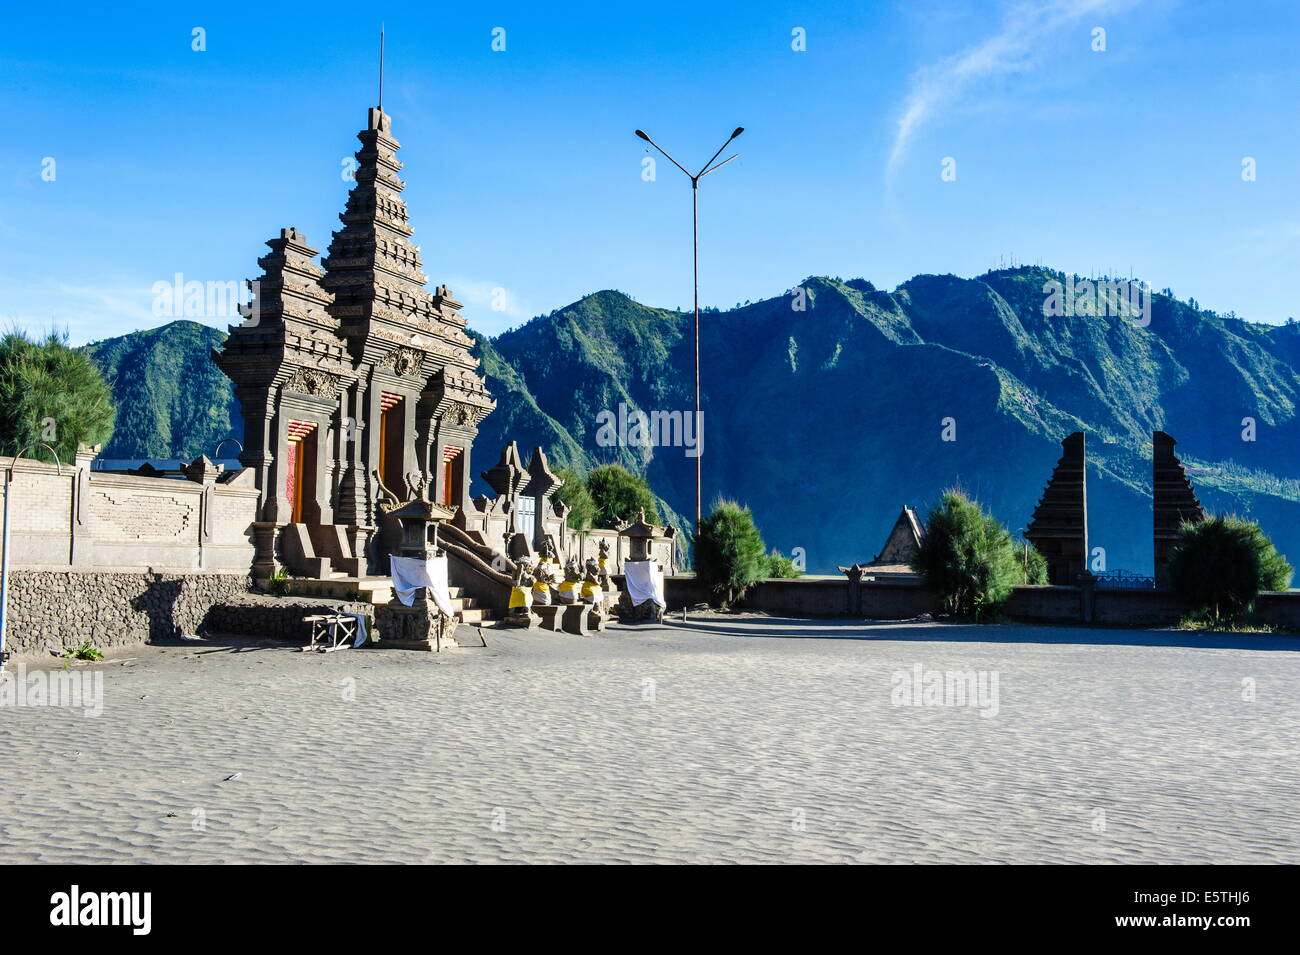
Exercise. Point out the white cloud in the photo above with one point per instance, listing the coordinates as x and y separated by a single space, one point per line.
492 308
89 313
1018 46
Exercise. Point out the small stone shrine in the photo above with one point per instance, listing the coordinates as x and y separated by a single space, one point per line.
640 565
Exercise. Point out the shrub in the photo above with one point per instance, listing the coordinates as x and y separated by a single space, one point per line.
87 651
778 565
968 557
574 494
619 495
1219 565
1033 565
278 583
729 553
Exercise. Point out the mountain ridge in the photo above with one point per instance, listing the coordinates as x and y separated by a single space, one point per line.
827 418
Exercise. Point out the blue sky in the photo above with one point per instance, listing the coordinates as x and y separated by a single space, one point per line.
523 174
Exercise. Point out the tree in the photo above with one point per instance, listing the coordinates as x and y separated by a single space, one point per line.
968 557
51 393
619 496
1033 564
729 553
574 494
780 566
1219 565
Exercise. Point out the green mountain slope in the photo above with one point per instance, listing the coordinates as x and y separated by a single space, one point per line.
172 401
826 419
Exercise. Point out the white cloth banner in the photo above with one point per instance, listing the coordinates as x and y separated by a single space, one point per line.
361 629
409 575
645 581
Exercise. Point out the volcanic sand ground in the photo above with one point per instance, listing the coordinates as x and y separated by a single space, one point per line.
724 739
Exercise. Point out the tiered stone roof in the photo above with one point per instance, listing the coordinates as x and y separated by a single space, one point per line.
375 275
1173 500
288 333
1059 529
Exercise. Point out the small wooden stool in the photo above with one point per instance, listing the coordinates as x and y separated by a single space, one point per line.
330 632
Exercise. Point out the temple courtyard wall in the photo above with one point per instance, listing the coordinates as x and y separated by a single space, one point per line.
119 559
53 610
893 599
89 521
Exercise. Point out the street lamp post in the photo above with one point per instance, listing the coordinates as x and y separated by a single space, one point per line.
695 272
4 544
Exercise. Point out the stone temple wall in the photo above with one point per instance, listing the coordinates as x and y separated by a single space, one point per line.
52 610
86 520
116 559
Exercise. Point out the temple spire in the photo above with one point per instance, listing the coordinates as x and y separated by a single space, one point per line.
381 66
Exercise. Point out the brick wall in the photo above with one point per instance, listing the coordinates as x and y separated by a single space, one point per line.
86 520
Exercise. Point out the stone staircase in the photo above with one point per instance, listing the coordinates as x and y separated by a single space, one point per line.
379 590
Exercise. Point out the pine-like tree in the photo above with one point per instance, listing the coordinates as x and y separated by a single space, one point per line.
968 557
53 394
729 553
619 496
1219 565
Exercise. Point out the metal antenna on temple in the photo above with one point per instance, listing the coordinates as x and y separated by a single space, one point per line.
381 66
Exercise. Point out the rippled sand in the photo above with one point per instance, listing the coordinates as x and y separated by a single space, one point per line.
724 740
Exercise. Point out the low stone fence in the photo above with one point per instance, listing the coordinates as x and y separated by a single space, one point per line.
815 597
903 599
51 611
56 610
1138 608
1045 604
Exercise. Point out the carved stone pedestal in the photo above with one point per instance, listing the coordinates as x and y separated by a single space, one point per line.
414 628
573 619
645 612
524 619
264 537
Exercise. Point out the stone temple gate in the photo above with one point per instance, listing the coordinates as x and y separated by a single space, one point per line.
359 394
357 385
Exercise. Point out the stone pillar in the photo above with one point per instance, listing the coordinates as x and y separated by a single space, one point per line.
322 512
420 626
264 537
1059 529
373 416
258 412
854 575
1173 501
83 543
1087 597
279 509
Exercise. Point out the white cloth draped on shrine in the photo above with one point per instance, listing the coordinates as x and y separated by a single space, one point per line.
645 581
409 575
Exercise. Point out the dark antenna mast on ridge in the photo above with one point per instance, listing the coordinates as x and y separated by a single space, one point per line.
381 66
